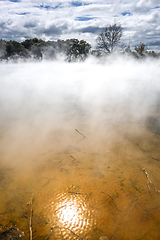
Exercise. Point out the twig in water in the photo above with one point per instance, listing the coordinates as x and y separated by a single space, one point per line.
157 190
149 181
79 193
147 176
112 200
107 195
112 234
80 133
133 205
30 219
74 233
73 158
156 159
52 229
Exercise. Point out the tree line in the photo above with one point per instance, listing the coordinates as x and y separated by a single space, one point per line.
108 41
35 48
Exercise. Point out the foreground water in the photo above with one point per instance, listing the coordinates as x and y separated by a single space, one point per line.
81 175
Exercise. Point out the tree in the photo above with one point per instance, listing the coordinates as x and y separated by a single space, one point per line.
141 48
36 51
73 49
109 38
2 48
77 50
9 49
28 43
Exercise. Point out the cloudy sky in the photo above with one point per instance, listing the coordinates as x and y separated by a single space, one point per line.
82 19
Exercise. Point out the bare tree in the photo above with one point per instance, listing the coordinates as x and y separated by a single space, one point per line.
109 38
141 48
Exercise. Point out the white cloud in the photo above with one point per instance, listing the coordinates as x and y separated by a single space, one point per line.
68 19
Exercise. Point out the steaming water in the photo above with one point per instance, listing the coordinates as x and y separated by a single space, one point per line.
80 143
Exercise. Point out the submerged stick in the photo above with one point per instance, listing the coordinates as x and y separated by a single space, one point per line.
73 158
52 229
79 193
157 190
80 133
147 176
108 195
149 181
30 219
156 159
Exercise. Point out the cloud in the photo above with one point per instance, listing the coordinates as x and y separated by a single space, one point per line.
156 43
14 0
30 24
90 29
54 30
48 7
79 19
79 3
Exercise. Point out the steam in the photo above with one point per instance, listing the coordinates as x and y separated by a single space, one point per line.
42 103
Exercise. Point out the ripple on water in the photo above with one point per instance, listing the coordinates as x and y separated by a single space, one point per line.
70 216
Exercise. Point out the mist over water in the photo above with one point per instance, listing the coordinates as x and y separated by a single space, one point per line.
115 104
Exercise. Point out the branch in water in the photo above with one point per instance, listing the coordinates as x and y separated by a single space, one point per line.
30 220
80 133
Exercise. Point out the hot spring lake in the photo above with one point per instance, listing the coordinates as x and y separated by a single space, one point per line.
80 150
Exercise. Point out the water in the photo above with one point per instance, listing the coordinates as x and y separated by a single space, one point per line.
78 162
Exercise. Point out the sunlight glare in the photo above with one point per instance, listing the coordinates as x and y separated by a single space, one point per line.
70 213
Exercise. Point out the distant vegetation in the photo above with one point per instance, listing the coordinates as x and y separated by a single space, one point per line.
72 49
108 41
109 38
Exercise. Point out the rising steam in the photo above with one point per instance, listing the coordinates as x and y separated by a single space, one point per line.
42 103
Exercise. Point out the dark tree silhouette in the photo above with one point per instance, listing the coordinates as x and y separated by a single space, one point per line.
141 48
109 38
77 50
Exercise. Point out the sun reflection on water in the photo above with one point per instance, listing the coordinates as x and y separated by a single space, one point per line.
70 214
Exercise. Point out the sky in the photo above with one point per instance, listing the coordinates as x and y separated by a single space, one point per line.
83 19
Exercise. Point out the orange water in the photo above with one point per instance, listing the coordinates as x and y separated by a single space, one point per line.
101 186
